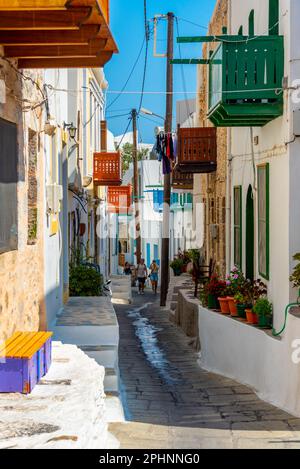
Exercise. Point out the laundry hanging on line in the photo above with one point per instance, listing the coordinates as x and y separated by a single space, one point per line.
166 150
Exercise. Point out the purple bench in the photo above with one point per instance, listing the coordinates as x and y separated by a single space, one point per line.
24 359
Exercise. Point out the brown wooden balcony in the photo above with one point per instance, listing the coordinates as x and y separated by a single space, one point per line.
119 199
56 33
184 181
197 150
107 169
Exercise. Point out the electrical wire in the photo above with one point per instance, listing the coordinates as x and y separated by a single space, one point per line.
126 130
192 22
129 76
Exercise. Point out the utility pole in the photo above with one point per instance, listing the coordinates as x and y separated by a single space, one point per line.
136 187
167 177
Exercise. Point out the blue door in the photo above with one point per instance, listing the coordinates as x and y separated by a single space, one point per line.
148 261
156 256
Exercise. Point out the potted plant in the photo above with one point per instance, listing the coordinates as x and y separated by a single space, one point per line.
255 290
242 304
263 308
235 282
176 265
223 300
213 289
295 277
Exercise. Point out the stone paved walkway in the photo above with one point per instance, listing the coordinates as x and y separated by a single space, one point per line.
171 403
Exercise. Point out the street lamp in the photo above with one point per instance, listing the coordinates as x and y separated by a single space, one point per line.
71 129
150 113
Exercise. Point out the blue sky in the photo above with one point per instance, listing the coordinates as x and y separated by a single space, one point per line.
127 25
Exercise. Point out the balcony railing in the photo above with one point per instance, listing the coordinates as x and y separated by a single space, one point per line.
245 82
197 150
119 199
182 181
107 169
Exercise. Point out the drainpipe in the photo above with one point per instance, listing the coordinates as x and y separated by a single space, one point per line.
229 175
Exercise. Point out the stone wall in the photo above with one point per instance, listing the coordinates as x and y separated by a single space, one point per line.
211 189
21 271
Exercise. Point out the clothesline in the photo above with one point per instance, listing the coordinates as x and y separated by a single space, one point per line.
166 150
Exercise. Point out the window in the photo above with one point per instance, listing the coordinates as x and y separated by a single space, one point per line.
237 197
8 186
263 220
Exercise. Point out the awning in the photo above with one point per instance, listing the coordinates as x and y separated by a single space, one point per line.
56 33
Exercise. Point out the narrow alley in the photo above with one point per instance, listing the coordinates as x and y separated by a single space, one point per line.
170 402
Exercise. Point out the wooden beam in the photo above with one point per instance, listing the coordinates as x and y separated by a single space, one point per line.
94 48
44 19
55 37
31 4
66 62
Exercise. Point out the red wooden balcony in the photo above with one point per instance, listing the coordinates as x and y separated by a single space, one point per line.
184 181
107 169
197 150
119 199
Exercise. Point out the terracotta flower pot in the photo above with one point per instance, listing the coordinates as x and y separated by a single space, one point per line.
251 317
232 306
224 305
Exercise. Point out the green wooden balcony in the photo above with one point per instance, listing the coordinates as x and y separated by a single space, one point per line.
245 82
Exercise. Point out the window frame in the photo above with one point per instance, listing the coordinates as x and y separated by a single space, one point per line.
240 227
266 168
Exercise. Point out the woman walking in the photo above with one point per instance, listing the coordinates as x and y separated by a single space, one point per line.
142 274
154 275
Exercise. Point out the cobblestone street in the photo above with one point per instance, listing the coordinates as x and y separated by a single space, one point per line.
171 403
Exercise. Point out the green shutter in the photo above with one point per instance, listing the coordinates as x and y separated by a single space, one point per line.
263 250
274 17
238 231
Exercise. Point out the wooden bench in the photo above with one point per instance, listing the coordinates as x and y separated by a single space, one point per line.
24 359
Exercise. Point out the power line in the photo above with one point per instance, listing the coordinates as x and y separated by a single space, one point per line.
118 115
192 22
129 76
126 130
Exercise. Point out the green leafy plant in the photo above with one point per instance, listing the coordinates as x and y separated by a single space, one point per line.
263 307
240 298
254 290
295 277
176 265
85 281
127 155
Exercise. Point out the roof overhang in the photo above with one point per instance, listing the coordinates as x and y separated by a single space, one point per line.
56 33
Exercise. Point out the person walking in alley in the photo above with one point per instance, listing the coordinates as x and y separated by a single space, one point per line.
142 274
154 275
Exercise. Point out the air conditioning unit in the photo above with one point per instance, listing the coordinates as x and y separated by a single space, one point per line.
54 194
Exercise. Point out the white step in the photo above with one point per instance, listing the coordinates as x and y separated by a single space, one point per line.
105 355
